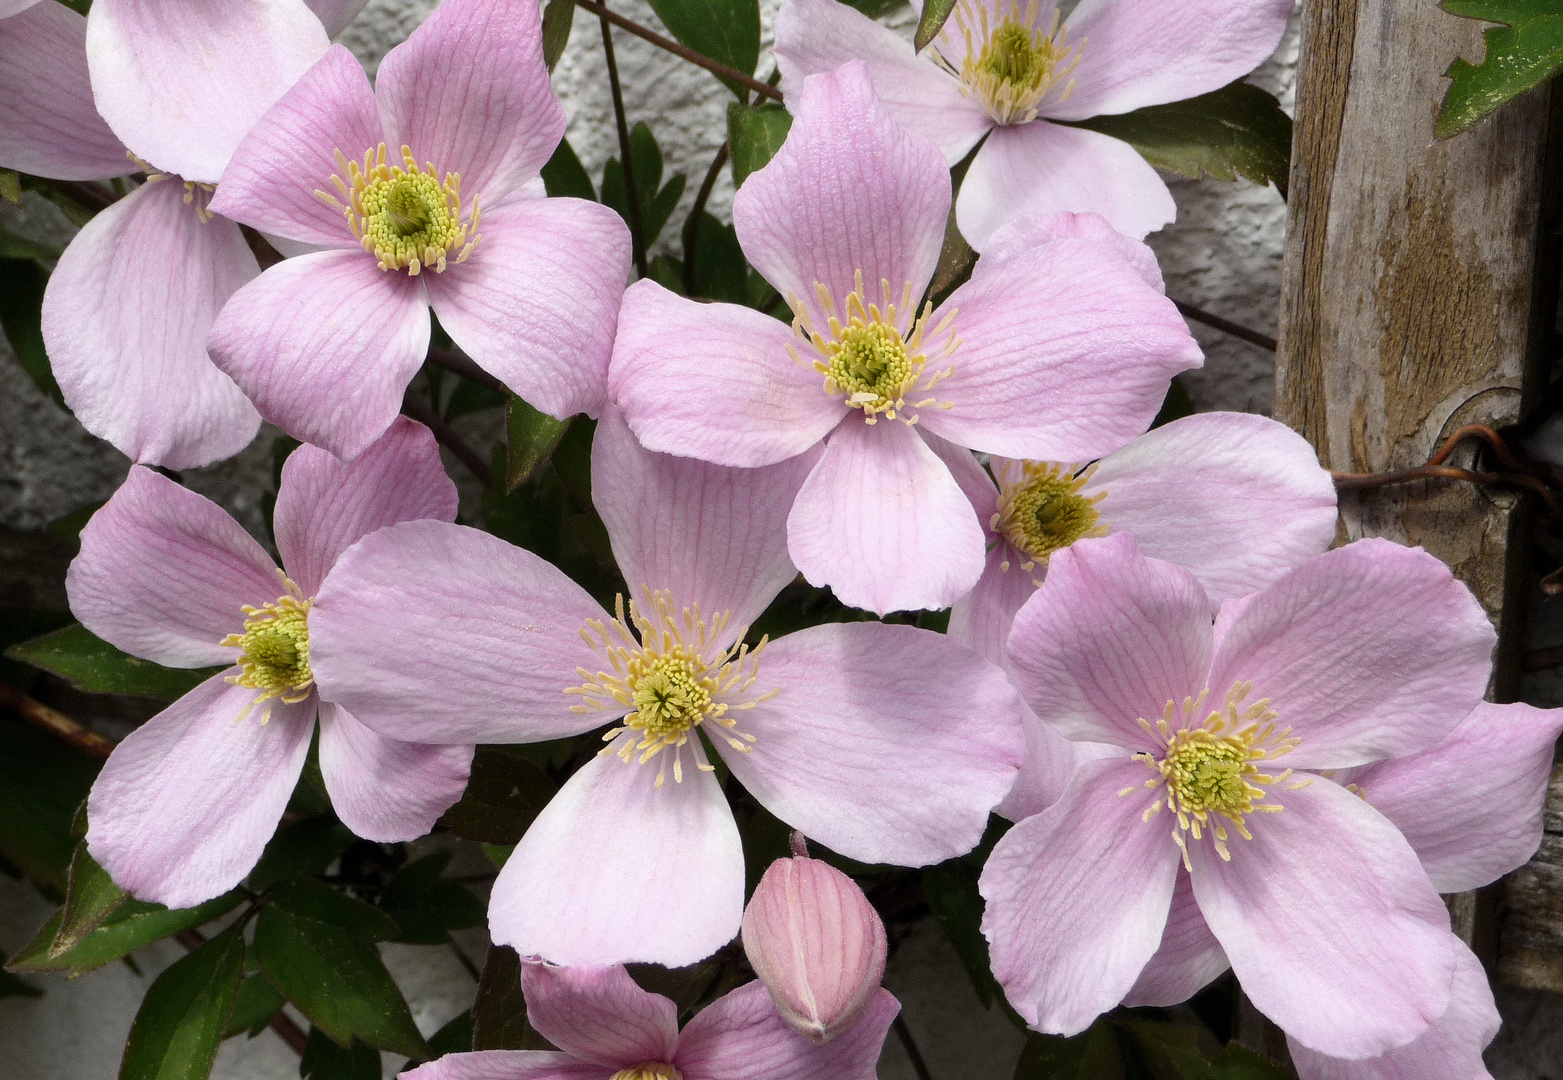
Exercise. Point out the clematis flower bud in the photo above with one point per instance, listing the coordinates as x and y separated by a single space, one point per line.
817 944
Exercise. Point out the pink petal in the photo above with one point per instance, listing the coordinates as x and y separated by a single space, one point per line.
1150 52
537 302
324 506
384 789
325 345
884 743
163 574
850 190
1065 355
125 318
49 125
1471 806
187 801
883 523
1330 923
336 14
1077 898
469 92
1110 638
1253 501
710 535
1340 647
1188 959
715 381
181 81
983 617
618 870
1048 766
289 155
431 632
1044 168
508 1065
814 37
599 1014
12 7
1020 234
740 1036
1452 1047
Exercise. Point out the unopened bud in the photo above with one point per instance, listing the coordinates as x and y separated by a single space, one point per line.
817 944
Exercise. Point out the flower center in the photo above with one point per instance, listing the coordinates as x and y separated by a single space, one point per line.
1043 511
649 1070
1012 65
274 650
197 194
872 358
668 678
408 217
1210 769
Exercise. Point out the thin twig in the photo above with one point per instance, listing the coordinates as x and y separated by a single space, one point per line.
1435 469
421 411
716 67
1226 326
459 362
631 195
909 1044
88 742
286 1029
692 225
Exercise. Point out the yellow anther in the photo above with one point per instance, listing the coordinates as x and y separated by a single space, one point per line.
408 217
1041 510
197 194
1010 65
649 1070
274 650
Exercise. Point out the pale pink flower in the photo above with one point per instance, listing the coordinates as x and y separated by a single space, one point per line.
1315 897
187 801
1056 350
1005 69
608 1028
884 742
421 191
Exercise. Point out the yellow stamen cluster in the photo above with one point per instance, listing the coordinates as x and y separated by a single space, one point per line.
648 1070
197 194
669 672
274 650
1011 65
871 357
407 217
1210 769
1041 510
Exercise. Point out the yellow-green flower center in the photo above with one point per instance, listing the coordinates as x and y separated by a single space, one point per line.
274 650
1042 510
1009 65
670 698
649 1070
408 217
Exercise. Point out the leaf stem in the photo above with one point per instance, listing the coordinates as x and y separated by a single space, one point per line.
421 411
88 742
631 196
715 67
459 362
692 225
1226 326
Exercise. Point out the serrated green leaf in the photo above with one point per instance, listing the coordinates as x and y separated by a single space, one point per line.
565 176
257 1002
134 925
533 434
11 986
89 663
1523 52
426 906
1238 130
181 1020
21 299
20 247
42 783
656 200
499 1011
504 795
754 134
300 849
727 31
11 186
558 17
1240 1063
325 1060
935 14
90 897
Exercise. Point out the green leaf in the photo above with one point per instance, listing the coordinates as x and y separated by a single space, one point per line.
533 434
1091 1055
42 782
317 946
935 14
1169 1051
257 1002
90 897
1525 51
300 849
21 300
1238 130
505 793
1175 406
11 986
181 1021
499 1011
564 175
1240 1063
134 925
951 890
657 200
754 134
19 247
720 270
727 31
426 906
455 1037
558 17
11 186
89 663
325 1060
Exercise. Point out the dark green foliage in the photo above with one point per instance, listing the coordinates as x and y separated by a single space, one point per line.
1525 51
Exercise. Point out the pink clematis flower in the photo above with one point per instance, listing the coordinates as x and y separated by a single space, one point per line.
608 1028
886 743
1314 896
1056 350
423 191
1005 69
187 801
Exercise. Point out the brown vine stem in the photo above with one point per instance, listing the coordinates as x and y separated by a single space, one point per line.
631 192
1435 469
715 67
692 226
460 363
286 1029
36 712
1226 326
421 411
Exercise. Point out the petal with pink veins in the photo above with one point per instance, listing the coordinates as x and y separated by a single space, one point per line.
1044 168
1020 234
1077 899
1330 922
469 92
599 1014
849 191
12 7
325 345
1048 766
1340 647
984 617
163 574
508 1065
715 381
618 870
126 315
537 301
1188 959
885 743
882 522
384 789
437 633
181 81
325 505
185 804
741 1036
